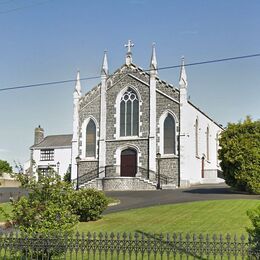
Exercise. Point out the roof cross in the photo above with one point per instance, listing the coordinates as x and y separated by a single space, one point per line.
129 45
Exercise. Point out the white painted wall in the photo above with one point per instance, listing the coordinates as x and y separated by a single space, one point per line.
61 155
191 165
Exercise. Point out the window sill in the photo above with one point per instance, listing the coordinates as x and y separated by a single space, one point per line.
165 156
127 138
89 159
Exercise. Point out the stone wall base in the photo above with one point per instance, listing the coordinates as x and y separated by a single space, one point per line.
120 183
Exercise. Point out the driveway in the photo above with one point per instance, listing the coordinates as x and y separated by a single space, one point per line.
141 199
11 192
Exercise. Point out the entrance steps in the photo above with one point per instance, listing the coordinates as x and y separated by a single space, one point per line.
125 183
120 183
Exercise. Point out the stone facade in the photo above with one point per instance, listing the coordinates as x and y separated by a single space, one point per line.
150 157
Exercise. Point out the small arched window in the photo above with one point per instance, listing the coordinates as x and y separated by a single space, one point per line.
197 137
169 141
217 147
207 141
129 113
91 139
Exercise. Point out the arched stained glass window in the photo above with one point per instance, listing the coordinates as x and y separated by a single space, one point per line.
217 147
169 135
129 113
91 139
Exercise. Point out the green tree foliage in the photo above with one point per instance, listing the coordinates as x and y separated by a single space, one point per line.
254 216
88 204
47 209
67 176
5 167
240 155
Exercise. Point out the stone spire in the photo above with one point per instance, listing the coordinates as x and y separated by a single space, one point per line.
183 77
128 59
75 137
153 64
152 131
104 69
78 85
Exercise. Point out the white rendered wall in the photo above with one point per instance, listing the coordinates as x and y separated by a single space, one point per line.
61 155
191 164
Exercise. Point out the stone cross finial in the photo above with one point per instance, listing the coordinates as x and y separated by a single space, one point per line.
183 77
129 45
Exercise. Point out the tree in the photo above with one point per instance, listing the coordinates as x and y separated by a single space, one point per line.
47 209
240 155
5 167
254 216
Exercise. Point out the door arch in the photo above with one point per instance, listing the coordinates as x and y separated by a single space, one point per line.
128 166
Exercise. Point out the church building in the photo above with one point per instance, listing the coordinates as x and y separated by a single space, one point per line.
134 131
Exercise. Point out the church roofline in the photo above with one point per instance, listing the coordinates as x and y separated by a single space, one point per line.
134 66
219 125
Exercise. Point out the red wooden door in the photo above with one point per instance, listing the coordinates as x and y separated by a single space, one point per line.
128 163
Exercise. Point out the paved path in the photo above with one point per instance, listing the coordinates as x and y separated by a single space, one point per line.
141 199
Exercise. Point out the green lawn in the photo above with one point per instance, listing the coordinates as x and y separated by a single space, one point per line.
222 216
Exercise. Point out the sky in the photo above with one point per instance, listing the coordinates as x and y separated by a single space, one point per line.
44 41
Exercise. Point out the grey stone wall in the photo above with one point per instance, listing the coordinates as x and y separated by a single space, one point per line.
169 167
168 89
87 167
89 106
89 97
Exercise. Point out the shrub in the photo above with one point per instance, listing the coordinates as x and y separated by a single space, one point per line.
254 216
47 209
88 204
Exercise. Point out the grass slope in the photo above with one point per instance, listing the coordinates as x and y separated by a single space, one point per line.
212 217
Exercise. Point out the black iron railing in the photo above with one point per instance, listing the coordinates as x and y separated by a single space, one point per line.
139 245
82 179
111 171
164 179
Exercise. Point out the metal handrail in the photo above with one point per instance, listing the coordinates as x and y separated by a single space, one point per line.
87 177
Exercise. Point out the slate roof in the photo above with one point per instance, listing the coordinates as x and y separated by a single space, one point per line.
54 141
